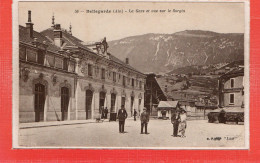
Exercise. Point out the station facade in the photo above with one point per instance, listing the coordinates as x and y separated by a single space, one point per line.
62 78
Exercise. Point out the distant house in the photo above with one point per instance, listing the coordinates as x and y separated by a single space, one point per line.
231 98
165 108
231 88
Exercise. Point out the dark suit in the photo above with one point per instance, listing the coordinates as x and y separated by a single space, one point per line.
144 121
105 113
135 114
175 121
122 115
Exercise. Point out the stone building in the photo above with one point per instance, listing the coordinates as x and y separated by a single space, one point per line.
231 88
62 78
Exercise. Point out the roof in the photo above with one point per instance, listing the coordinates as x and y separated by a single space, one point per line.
162 84
231 65
168 104
115 59
71 40
25 38
238 71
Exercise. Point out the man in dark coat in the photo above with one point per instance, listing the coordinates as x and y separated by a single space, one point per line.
144 120
135 114
122 115
105 112
102 112
175 119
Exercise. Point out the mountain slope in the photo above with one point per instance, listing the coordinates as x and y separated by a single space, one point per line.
165 52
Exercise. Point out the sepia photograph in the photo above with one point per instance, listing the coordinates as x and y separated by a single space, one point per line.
131 75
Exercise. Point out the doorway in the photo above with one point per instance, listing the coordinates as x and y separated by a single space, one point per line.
89 96
122 101
113 103
39 101
132 104
102 96
64 103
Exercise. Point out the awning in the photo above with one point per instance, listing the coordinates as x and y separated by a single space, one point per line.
167 104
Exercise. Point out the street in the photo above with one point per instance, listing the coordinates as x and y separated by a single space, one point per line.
199 133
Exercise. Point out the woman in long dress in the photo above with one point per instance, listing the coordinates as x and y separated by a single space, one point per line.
183 123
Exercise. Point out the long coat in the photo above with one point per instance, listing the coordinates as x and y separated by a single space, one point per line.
175 119
122 114
144 117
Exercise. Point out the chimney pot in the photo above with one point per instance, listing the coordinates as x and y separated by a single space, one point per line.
57 27
127 61
53 23
29 25
29 16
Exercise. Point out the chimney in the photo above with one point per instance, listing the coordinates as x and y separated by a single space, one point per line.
29 25
57 35
53 23
70 31
127 61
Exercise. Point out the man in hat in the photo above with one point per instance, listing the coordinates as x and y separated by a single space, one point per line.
105 112
144 120
122 115
175 119
135 114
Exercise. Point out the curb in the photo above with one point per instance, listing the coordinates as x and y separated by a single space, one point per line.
51 125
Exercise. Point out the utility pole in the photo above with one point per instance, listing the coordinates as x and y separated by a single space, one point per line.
151 98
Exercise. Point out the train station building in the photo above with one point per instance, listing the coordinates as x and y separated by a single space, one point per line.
63 78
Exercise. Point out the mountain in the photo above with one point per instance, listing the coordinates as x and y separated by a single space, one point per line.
165 52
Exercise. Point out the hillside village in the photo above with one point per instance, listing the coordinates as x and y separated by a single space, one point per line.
197 88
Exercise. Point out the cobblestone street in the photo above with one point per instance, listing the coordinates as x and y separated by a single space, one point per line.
199 133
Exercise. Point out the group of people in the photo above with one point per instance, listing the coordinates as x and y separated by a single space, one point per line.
103 112
178 119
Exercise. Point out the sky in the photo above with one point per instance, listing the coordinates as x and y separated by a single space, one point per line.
216 17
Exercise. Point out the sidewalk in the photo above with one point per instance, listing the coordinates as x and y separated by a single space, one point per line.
61 123
57 123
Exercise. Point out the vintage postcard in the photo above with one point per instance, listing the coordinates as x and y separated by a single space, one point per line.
125 74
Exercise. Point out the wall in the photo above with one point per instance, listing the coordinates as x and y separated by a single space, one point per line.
238 96
238 83
52 110
238 99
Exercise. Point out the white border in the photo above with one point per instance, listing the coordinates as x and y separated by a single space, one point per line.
15 76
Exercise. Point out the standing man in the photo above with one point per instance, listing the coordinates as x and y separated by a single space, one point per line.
102 112
135 114
122 115
144 121
175 121
106 112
